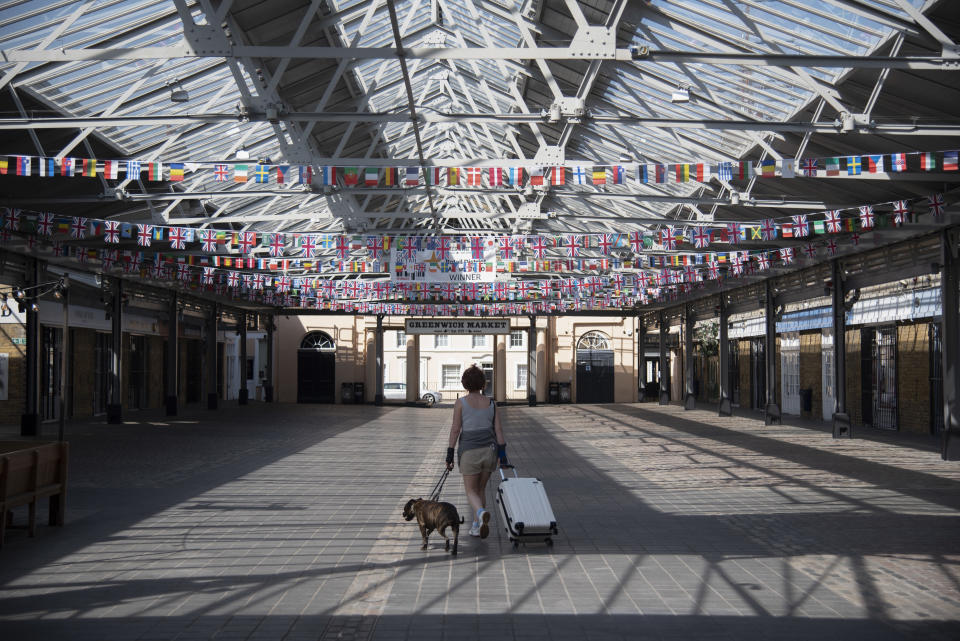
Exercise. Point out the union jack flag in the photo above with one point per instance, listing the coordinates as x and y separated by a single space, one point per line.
900 212
786 255
763 261
258 281
208 240
246 240
111 231
936 206
636 242
800 226
449 291
207 277
810 167
855 238
832 247
701 237
506 247
476 248
308 245
546 289
221 173
768 229
617 281
78 228
643 280
108 258
667 239
443 248
45 224
713 269
733 233
834 224
178 238
539 246
810 250
572 245
410 247
605 242
866 217
283 284
183 271
375 246
276 245
144 235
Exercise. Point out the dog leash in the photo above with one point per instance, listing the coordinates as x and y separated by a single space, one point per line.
435 494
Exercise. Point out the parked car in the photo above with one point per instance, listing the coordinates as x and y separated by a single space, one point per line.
398 392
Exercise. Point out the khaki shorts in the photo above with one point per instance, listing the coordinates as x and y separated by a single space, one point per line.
479 460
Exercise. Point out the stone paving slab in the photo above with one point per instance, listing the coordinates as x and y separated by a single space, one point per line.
283 522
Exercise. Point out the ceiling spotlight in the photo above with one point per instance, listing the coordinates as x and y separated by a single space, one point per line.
178 93
34 308
682 94
18 294
734 198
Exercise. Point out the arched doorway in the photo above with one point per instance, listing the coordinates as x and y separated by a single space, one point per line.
594 368
316 368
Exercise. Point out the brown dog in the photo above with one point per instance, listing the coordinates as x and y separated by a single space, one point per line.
434 515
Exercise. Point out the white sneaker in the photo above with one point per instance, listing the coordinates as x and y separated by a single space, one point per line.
484 517
475 529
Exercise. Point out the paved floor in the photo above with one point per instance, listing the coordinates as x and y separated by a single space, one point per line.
283 522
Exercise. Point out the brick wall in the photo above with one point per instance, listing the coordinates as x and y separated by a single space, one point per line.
853 376
913 378
811 371
745 392
12 409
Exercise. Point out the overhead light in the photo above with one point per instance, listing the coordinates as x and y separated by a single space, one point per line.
178 93
734 198
680 95
243 154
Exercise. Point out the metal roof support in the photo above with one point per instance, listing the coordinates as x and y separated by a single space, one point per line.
950 319
771 412
841 420
689 385
664 367
726 404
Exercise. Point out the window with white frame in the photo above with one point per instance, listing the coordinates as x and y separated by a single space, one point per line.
479 341
450 376
441 340
516 338
401 338
521 376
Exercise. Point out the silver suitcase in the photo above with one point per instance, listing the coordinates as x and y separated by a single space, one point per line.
525 508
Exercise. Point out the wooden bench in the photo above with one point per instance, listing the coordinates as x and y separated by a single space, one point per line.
29 472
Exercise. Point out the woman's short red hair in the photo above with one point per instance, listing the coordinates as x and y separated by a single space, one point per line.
473 379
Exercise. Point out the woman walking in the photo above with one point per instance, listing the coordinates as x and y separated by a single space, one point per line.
476 425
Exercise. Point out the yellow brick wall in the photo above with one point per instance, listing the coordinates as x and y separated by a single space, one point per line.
12 409
913 378
83 348
811 371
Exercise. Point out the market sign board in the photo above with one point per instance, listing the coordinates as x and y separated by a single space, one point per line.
425 266
457 326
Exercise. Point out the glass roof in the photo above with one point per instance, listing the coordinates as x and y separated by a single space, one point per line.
142 88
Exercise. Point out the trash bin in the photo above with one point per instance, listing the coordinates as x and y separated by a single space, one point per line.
806 400
564 392
346 393
554 394
358 395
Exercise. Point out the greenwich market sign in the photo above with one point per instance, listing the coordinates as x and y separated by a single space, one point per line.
458 326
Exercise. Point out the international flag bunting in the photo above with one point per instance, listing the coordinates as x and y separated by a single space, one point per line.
702 172
768 168
412 177
536 176
220 173
474 176
514 176
580 175
661 173
47 166
68 167
433 175
176 171
642 175
328 175
788 168
725 171
898 162
874 164
90 167
558 174
390 177
854 165
617 174
240 173
110 169
283 172
810 167
833 166
927 161
23 165
745 170
261 174
305 175
371 177
133 169
950 161
682 173
495 176
453 176
4 166
351 176
599 176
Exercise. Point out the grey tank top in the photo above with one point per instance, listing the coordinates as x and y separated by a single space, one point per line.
477 426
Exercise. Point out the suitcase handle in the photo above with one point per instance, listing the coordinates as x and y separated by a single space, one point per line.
503 477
